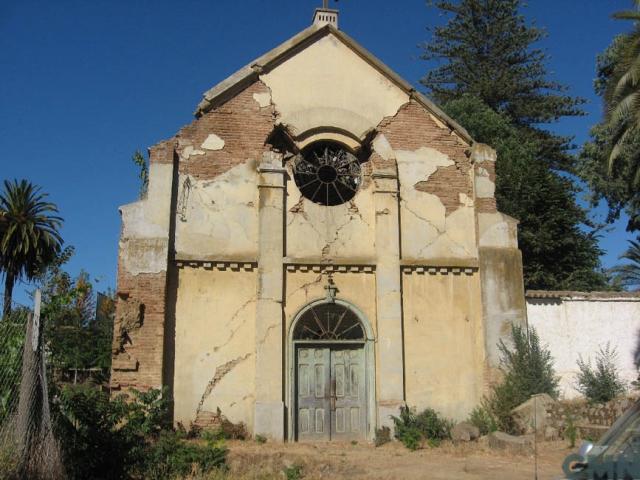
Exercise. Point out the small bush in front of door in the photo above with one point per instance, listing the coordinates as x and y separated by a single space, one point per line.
415 430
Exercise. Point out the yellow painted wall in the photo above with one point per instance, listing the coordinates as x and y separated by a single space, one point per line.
215 325
443 335
303 288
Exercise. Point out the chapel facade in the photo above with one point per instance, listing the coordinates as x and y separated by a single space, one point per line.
319 247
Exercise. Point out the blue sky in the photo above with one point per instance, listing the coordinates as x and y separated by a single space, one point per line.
83 84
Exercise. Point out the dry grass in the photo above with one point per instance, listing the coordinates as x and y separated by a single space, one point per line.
474 461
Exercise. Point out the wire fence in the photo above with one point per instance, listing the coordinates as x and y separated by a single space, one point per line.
28 447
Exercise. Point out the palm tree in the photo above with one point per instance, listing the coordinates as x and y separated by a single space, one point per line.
29 237
628 274
622 93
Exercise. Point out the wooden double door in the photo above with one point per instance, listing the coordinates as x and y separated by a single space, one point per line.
331 401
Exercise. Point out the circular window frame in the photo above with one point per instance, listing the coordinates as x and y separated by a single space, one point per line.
328 173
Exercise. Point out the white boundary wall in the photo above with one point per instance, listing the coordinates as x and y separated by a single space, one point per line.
574 323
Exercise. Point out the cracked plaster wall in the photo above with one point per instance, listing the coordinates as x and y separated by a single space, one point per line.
214 345
303 288
145 225
219 218
435 233
444 348
316 232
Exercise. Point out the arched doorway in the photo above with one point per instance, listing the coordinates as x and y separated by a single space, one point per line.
331 373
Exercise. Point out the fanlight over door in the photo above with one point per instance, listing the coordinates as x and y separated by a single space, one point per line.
331 400
329 321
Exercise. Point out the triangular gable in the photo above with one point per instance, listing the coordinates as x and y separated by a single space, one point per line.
268 62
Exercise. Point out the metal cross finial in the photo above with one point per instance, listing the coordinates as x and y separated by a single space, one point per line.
325 4
331 289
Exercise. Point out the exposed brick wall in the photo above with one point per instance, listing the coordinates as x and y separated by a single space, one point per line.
163 152
139 362
241 123
413 128
448 183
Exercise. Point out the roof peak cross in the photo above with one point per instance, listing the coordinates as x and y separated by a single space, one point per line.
325 4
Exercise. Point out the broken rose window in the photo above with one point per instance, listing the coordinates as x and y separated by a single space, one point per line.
327 174
328 321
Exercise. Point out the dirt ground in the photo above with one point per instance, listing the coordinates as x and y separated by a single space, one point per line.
251 460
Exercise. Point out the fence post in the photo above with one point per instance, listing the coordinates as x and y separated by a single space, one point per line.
30 401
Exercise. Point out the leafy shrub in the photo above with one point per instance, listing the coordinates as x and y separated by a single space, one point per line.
233 431
96 440
261 439
8 460
570 431
383 435
293 472
414 429
111 439
602 383
528 370
12 330
482 418
172 456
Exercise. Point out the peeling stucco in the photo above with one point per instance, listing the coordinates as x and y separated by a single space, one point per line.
219 216
214 142
435 234
485 187
263 99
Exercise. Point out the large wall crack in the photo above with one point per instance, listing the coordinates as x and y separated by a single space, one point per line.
219 374
232 331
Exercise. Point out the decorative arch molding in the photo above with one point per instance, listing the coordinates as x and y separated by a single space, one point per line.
368 343
368 330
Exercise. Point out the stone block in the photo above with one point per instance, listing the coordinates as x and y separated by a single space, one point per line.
503 441
531 416
465 432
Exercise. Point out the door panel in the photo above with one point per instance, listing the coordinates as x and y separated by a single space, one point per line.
348 405
313 394
331 397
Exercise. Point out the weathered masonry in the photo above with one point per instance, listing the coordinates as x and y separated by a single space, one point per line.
319 247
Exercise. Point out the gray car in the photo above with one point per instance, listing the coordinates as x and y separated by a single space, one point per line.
616 456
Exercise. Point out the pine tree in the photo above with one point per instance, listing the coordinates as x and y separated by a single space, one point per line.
486 49
492 79
557 254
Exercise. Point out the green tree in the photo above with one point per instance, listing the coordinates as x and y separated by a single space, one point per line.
486 49
557 253
31 237
492 79
610 162
528 370
602 382
622 90
78 324
628 274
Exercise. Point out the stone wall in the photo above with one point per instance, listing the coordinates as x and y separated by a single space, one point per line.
591 420
574 324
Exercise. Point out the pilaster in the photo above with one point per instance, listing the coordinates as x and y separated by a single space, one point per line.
269 406
388 297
